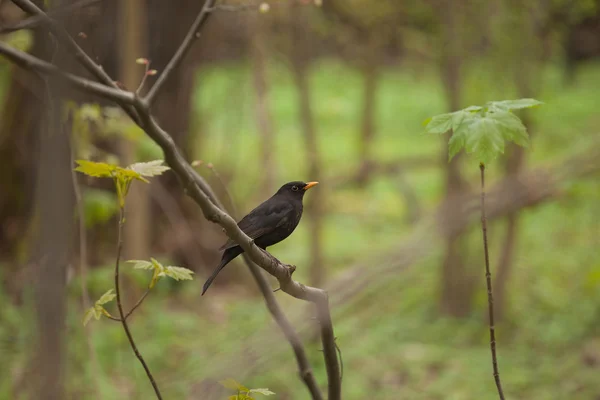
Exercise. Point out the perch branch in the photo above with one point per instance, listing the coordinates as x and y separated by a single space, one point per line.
304 369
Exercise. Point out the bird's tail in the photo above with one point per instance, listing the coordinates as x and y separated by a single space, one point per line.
228 255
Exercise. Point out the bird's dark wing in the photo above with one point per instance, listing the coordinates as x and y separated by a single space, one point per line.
262 220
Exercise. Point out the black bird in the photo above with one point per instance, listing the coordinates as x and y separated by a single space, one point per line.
269 223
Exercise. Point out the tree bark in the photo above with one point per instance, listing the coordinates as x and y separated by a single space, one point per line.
55 202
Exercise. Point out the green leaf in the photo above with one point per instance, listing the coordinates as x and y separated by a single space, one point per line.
158 272
178 273
231 383
96 169
103 311
88 315
510 126
233 397
482 131
106 297
141 264
484 140
151 168
439 124
514 104
263 391
127 175
460 131
97 312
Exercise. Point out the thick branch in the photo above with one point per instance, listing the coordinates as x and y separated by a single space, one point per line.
30 62
190 37
304 369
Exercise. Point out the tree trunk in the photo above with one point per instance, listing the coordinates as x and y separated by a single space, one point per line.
528 56
455 294
370 76
264 120
132 19
54 225
314 206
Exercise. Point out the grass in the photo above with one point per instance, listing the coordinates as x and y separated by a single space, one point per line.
395 344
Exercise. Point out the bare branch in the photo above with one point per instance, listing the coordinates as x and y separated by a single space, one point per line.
30 62
64 37
186 44
33 22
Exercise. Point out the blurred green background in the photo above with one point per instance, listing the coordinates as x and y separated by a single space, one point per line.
359 77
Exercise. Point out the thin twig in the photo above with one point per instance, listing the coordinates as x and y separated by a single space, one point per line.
144 78
186 44
33 22
120 306
341 360
488 277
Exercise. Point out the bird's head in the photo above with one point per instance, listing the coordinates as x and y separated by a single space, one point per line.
296 188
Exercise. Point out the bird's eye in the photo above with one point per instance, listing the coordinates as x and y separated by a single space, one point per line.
295 188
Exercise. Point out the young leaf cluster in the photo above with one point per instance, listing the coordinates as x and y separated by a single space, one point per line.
483 130
97 310
177 273
243 393
122 176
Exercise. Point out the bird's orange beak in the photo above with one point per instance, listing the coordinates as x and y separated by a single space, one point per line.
309 185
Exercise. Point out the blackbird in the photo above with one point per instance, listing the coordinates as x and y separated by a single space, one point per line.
269 223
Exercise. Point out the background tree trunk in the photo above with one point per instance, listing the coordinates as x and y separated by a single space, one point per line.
54 224
314 206
259 56
455 297
132 22
370 73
